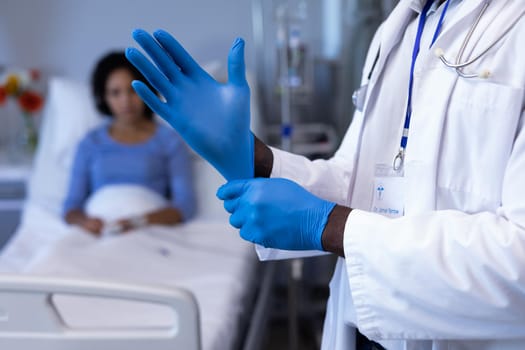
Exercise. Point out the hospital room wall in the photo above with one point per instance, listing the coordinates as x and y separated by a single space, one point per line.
65 37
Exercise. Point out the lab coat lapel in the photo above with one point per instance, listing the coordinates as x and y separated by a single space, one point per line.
392 31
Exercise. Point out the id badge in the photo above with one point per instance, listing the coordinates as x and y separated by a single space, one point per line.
389 191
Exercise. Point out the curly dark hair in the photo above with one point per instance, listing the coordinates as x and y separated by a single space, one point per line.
103 69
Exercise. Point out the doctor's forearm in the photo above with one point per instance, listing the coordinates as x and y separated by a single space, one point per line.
333 233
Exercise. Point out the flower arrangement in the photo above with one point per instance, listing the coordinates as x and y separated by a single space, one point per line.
21 87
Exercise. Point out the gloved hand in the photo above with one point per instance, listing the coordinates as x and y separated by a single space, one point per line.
213 118
276 213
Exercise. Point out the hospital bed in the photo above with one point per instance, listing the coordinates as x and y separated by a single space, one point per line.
200 268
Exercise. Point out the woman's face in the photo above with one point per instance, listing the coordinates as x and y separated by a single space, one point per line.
121 99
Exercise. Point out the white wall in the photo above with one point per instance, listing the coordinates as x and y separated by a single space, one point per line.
66 37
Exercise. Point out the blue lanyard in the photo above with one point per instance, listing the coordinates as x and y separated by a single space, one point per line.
398 160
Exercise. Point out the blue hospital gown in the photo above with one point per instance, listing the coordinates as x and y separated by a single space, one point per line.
161 163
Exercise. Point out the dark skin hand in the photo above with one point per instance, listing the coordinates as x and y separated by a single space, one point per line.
90 224
333 233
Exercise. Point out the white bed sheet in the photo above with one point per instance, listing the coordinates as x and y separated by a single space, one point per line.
205 257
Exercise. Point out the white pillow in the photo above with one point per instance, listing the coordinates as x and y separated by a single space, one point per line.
115 202
68 115
207 181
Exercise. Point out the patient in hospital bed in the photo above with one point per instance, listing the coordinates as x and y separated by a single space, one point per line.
203 255
131 153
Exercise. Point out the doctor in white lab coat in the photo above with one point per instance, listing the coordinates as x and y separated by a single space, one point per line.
433 251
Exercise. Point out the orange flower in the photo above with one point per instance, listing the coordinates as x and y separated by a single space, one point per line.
12 85
30 101
3 95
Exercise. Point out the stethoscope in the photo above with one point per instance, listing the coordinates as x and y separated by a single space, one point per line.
458 66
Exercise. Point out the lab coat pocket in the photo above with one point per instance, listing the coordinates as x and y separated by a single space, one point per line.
478 134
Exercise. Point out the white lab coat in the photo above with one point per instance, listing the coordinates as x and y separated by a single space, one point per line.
450 274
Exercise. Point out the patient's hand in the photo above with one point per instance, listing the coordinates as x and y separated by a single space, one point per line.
93 225
79 218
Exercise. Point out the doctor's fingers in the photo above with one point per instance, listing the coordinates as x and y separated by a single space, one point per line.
181 57
231 205
238 219
150 99
161 58
152 73
232 189
236 66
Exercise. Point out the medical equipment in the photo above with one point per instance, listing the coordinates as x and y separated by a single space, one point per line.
458 66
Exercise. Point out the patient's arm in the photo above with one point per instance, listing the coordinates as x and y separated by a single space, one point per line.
166 216
78 217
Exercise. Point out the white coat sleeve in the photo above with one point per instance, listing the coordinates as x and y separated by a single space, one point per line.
443 274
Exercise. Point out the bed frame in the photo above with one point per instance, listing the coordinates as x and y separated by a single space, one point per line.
29 318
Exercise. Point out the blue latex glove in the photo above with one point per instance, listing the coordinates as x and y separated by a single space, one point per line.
276 213
213 118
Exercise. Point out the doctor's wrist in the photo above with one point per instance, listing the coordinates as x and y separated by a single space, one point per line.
263 159
333 233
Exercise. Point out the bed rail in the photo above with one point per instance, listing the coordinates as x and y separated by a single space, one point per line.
30 319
